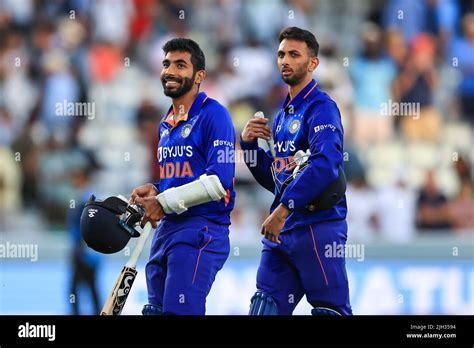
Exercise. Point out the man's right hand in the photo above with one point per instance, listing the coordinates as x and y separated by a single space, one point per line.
256 128
144 191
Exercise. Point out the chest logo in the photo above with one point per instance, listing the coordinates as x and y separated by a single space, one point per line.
294 126
164 133
186 130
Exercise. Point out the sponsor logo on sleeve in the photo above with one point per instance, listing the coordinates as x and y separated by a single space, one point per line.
219 142
324 126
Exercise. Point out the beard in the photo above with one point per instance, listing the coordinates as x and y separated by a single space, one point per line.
296 78
185 85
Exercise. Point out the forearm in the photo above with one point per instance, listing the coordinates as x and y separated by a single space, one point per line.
259 164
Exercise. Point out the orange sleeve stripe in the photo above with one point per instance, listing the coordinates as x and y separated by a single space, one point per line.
227 197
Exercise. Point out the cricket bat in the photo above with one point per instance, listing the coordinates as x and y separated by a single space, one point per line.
117 298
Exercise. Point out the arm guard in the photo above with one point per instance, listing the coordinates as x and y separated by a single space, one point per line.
179 199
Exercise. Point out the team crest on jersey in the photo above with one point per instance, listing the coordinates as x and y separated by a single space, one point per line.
186 130
294 126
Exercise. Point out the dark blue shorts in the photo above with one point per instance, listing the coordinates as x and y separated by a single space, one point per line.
185 257
300 266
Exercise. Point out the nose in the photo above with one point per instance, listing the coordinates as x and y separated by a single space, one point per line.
284 62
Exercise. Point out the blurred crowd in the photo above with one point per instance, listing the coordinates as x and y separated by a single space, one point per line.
401 71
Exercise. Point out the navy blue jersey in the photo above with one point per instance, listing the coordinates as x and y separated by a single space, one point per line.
311 121
199 144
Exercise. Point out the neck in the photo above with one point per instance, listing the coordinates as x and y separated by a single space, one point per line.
294 90
182 104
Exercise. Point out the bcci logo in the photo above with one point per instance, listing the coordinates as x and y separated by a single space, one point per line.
294 126
186 130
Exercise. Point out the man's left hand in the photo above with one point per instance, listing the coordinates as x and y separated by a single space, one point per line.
273 225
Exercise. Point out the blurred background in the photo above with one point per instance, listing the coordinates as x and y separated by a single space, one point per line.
401 71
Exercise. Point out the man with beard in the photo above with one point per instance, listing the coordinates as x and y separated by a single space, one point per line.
307 226
195 194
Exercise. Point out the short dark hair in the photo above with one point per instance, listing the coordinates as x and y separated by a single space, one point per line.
190 46
298 34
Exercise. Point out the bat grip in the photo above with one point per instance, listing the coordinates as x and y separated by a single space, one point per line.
132 261
259 114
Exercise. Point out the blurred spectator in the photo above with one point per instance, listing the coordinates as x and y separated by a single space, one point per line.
111 20
148 119
106 61
463 169
6 127
10 181
407 16
144 14
362 210
461 209
396 211
21 11
372 75
461 56
431 206
396 48
29 145
436 17
333 78
414 87
85 262
60 87
250 63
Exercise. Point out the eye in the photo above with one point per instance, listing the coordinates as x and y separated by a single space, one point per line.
281 54
166 64
294 54
181 66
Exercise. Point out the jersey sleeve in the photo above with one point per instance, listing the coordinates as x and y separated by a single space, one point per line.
261 169
219 143
325 138
157 183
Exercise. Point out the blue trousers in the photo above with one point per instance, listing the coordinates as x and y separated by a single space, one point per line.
301 266
185 257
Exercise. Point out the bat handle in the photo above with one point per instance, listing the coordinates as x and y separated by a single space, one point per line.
132 261
260 114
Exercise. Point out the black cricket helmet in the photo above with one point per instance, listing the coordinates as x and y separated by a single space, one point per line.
107 226
284 174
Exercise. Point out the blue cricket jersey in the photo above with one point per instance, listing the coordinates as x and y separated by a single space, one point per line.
311 121
201 143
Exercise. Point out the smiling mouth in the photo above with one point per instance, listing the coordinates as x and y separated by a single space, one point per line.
172 82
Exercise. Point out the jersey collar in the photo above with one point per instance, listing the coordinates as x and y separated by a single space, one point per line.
302 95
196 107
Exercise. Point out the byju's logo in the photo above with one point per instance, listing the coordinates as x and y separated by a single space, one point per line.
219 142
324 126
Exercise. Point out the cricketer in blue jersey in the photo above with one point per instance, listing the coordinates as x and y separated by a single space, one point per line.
294 261
190 245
